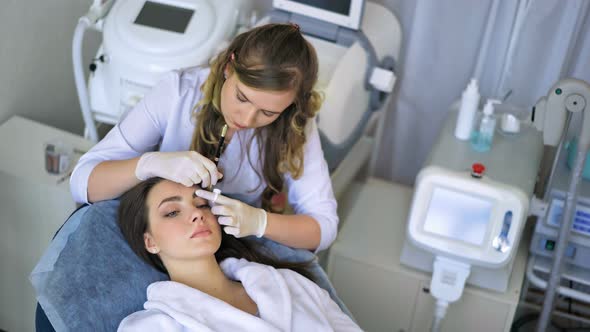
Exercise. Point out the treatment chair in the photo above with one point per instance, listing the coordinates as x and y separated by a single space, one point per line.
94 289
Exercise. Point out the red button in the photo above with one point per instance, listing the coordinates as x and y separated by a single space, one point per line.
477 170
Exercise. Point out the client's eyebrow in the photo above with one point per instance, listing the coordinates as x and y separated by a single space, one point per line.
170 199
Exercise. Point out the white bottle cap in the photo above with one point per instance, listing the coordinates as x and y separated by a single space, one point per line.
472 86
510 124
472 90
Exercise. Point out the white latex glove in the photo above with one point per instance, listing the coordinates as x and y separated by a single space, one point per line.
240 219
185 167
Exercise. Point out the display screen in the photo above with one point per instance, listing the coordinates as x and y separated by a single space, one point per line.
458 216
581 223
338 6
165 17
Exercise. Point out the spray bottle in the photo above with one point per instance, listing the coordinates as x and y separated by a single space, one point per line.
469 104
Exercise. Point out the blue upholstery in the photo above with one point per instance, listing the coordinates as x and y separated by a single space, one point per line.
89 279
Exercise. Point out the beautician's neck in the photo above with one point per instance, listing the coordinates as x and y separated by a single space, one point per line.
230 133
205 275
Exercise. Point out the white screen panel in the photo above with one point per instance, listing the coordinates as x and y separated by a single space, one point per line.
458 216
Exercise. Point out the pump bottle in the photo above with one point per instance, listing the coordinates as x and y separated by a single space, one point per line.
482 139
466 116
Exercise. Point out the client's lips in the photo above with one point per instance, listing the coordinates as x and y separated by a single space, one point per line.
201 232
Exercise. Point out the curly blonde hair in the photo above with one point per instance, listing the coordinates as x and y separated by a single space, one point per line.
273 57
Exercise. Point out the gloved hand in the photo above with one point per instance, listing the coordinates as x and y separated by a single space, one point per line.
185 167
239 218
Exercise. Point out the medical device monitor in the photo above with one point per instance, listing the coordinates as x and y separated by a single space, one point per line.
477 220
345 13
336 6
581 223
458 216
165 17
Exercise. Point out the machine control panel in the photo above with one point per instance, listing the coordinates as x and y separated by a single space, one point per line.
581 223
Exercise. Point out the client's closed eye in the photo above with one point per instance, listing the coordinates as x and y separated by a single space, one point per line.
172 214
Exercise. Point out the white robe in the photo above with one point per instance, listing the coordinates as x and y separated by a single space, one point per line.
286 301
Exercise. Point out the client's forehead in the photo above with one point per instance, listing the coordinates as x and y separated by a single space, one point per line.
166 185
167 188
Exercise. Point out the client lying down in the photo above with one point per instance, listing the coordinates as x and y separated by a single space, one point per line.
217 282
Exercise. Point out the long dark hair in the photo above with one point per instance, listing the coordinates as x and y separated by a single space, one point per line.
272 57
133 222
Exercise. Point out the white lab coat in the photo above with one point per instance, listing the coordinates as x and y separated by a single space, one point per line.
164 119
286 301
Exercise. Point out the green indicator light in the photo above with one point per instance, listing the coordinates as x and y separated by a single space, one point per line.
550 245
558 91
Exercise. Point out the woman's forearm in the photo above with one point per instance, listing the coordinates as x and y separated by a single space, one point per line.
110 179
297 231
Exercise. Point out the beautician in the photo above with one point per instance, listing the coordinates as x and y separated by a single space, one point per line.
261 87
